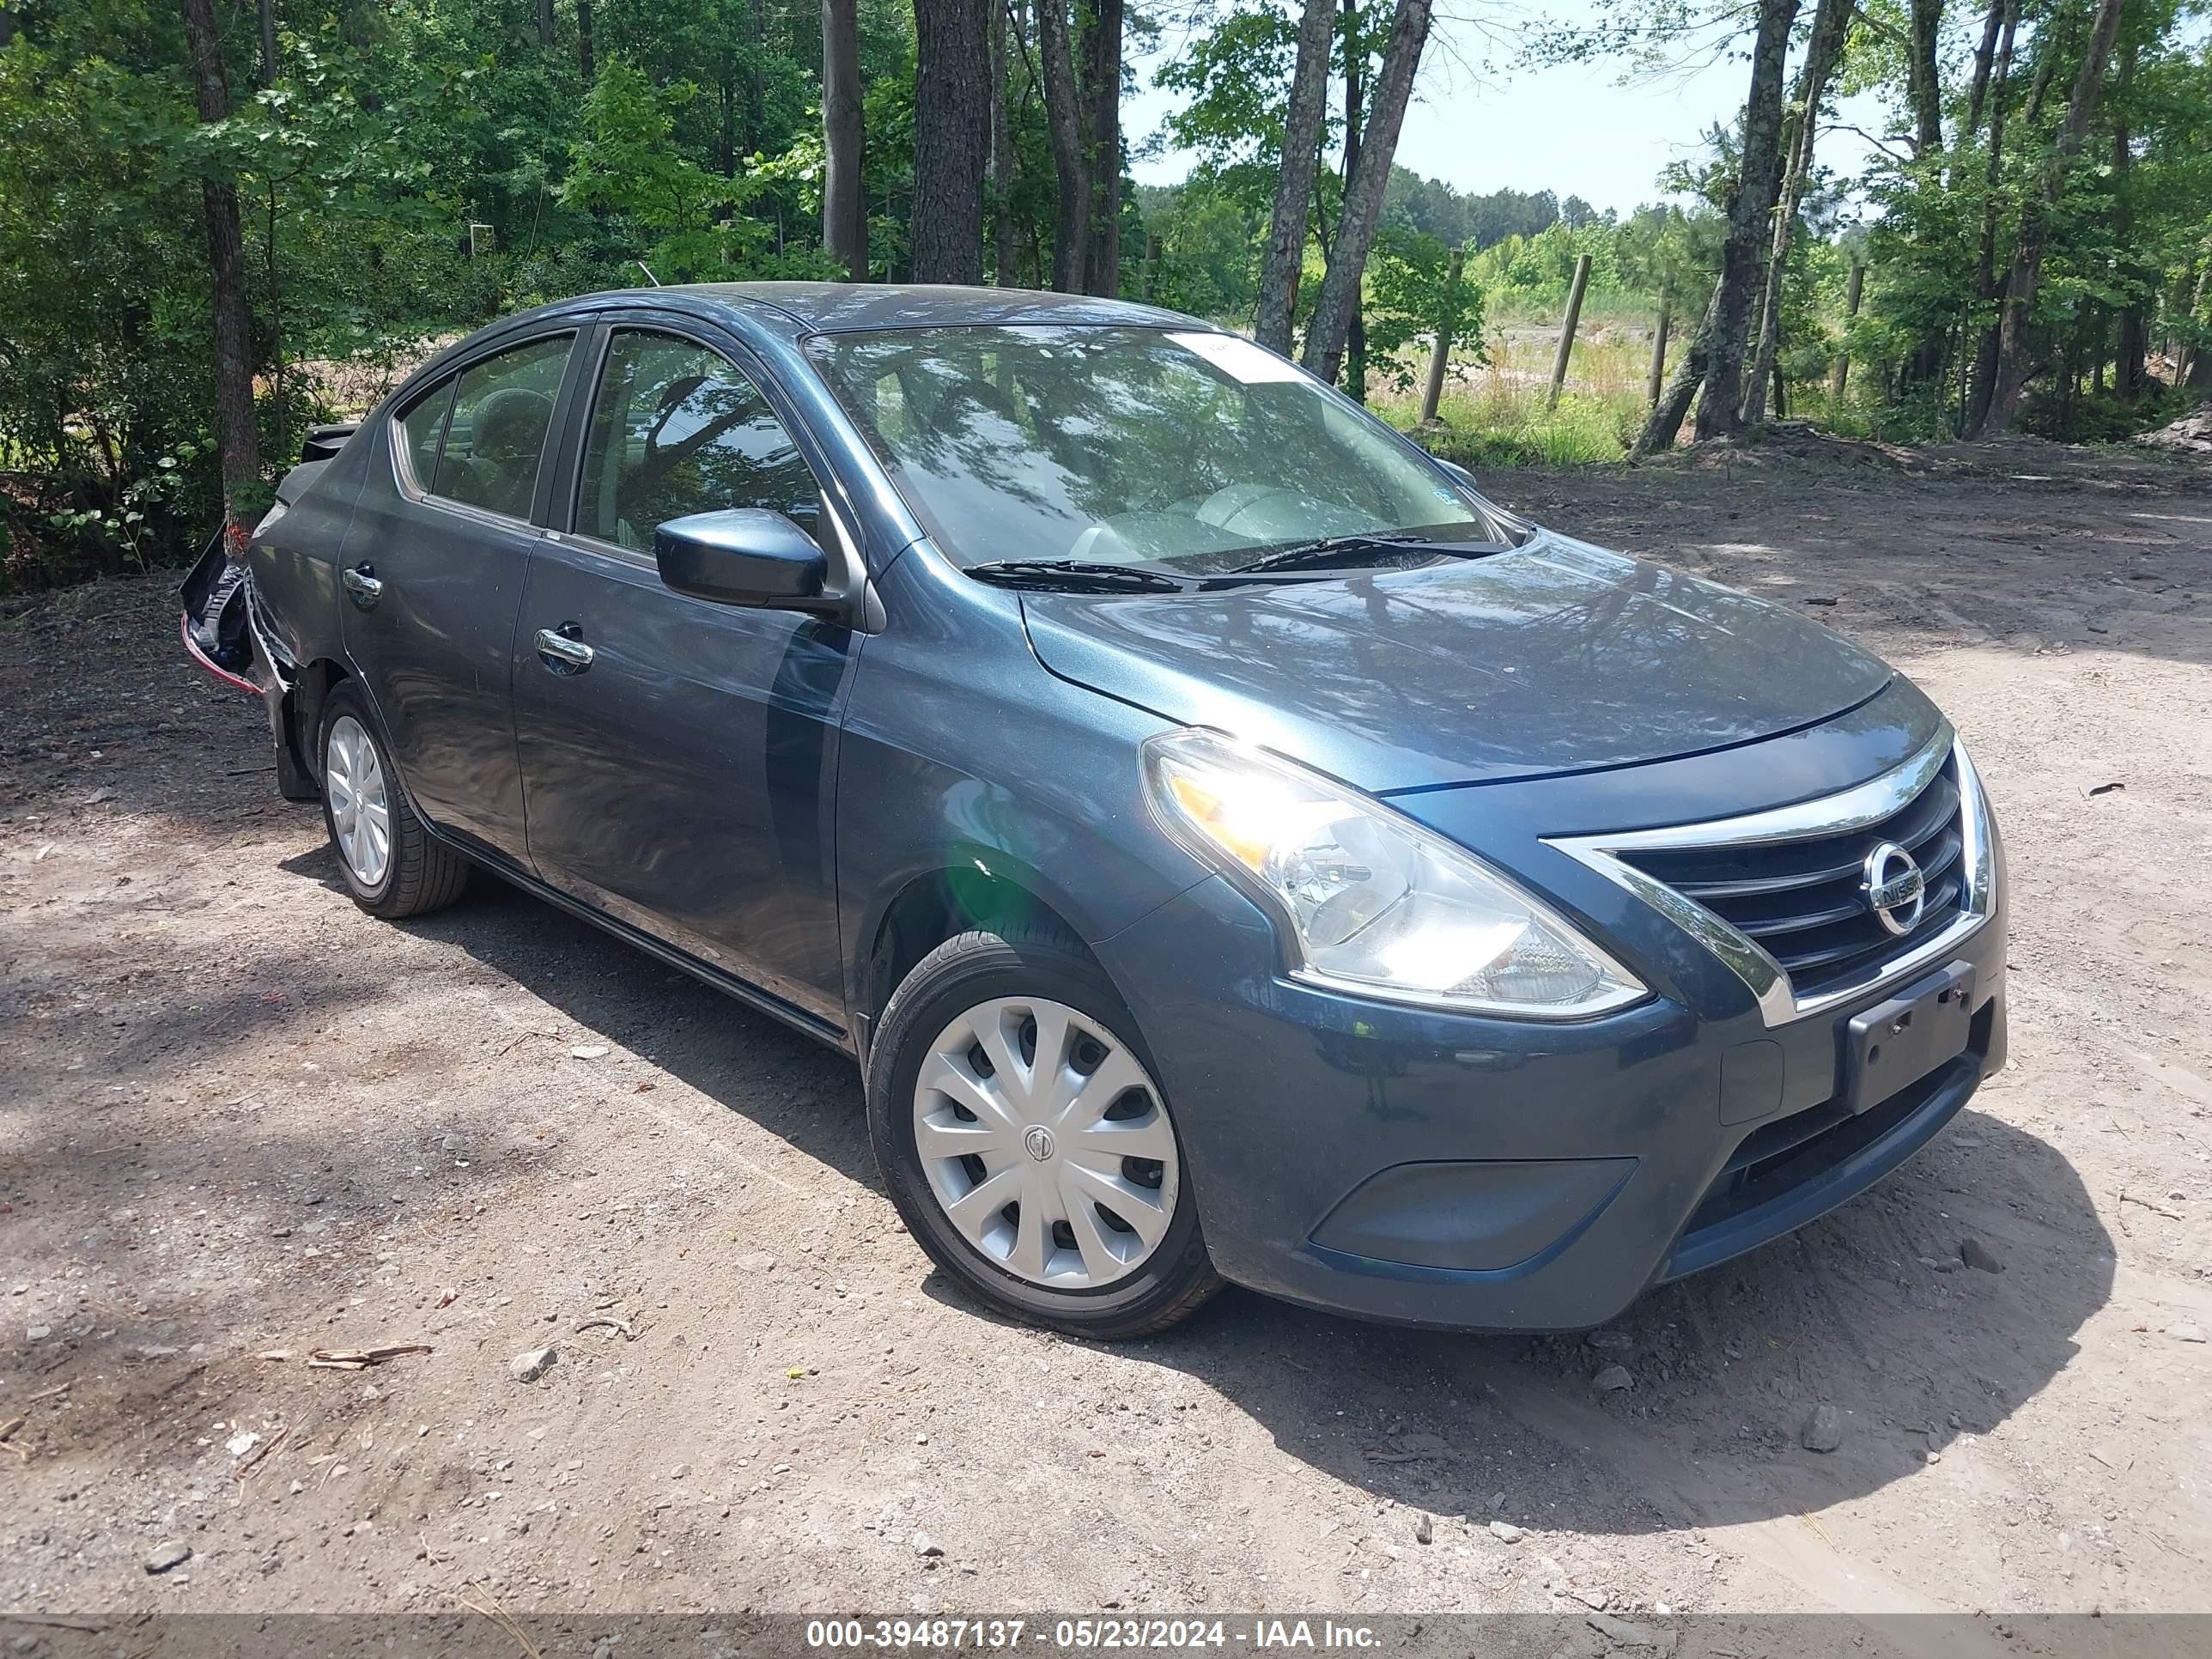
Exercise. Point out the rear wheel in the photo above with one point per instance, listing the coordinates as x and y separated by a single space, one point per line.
1026 1142
391 865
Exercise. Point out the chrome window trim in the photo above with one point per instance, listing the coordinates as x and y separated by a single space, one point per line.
395 432
1852 809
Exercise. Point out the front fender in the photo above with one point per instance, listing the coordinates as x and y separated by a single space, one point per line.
964 758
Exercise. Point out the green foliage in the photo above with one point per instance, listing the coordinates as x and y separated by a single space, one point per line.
1411 295
1207 238
2128 226
416 167
693 223
103 360
1236 81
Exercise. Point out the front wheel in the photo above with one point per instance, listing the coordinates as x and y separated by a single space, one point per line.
1022 1137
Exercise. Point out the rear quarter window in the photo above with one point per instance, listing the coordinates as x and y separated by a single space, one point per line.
422 429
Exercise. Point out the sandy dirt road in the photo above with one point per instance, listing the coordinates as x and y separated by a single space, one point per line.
237 1116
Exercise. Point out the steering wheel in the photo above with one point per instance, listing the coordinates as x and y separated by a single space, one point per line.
1225 506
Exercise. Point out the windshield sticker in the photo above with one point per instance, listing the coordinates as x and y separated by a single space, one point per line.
1238 358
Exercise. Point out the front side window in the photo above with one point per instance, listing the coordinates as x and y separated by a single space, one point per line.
1192 450
678 430
495 436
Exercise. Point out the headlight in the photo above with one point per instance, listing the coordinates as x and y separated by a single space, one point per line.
1371 902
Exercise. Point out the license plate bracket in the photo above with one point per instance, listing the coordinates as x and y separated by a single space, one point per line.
1900 1041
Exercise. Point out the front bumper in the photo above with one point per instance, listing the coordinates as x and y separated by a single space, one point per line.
1441 1169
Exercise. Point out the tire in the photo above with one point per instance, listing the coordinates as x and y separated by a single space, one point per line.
416 873
1112 1282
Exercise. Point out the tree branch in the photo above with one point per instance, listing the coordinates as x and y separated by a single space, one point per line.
1879 144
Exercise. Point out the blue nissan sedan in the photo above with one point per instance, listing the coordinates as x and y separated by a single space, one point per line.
1231 848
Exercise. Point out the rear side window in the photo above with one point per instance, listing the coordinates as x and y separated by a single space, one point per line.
420 429
677 430
495 437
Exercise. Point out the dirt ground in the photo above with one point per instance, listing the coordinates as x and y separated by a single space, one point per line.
237 1117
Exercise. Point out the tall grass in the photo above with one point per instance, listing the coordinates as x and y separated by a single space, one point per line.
1498 412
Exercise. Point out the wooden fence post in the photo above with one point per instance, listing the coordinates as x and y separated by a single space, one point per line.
1433 394
1659 350
1567 328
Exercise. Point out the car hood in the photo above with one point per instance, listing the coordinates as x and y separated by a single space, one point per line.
1555 657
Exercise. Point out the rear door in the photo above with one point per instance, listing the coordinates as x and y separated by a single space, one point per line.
432 575
679 755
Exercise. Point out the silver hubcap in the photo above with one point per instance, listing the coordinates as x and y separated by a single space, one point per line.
1046 1143
360 808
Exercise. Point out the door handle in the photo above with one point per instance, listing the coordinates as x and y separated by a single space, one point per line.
362 585
563 649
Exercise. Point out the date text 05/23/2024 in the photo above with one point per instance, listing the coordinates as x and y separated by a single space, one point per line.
1086 1634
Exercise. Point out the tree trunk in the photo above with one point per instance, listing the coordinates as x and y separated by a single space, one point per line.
1840 373
2198 376
546 24
1355 106
2051 44
586 70
951 139
1673 404
1727 319
757 100
1064 123
844 207
1102 102
1923 91
1286 243
1440 360
2131 352
1003 162
238 444
2014 365
1830 22
276 327
1984 59
726 130
1924 87
1659 348
1362 205
267 8
1982 383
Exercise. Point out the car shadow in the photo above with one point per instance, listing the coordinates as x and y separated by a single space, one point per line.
746 1062
1870 1310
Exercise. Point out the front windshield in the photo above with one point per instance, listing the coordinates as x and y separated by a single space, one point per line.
1188 450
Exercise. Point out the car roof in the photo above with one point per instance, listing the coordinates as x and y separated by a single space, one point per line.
798 308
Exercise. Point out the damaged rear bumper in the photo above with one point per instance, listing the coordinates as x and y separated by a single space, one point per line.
216 620
223 632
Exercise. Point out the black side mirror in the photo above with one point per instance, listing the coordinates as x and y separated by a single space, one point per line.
745 555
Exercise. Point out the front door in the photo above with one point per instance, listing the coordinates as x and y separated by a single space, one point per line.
432 574
679 756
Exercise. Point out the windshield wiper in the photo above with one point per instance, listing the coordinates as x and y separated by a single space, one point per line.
1380 546
1075 574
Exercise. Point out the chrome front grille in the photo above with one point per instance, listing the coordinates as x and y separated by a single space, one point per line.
1804 903
1786 899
